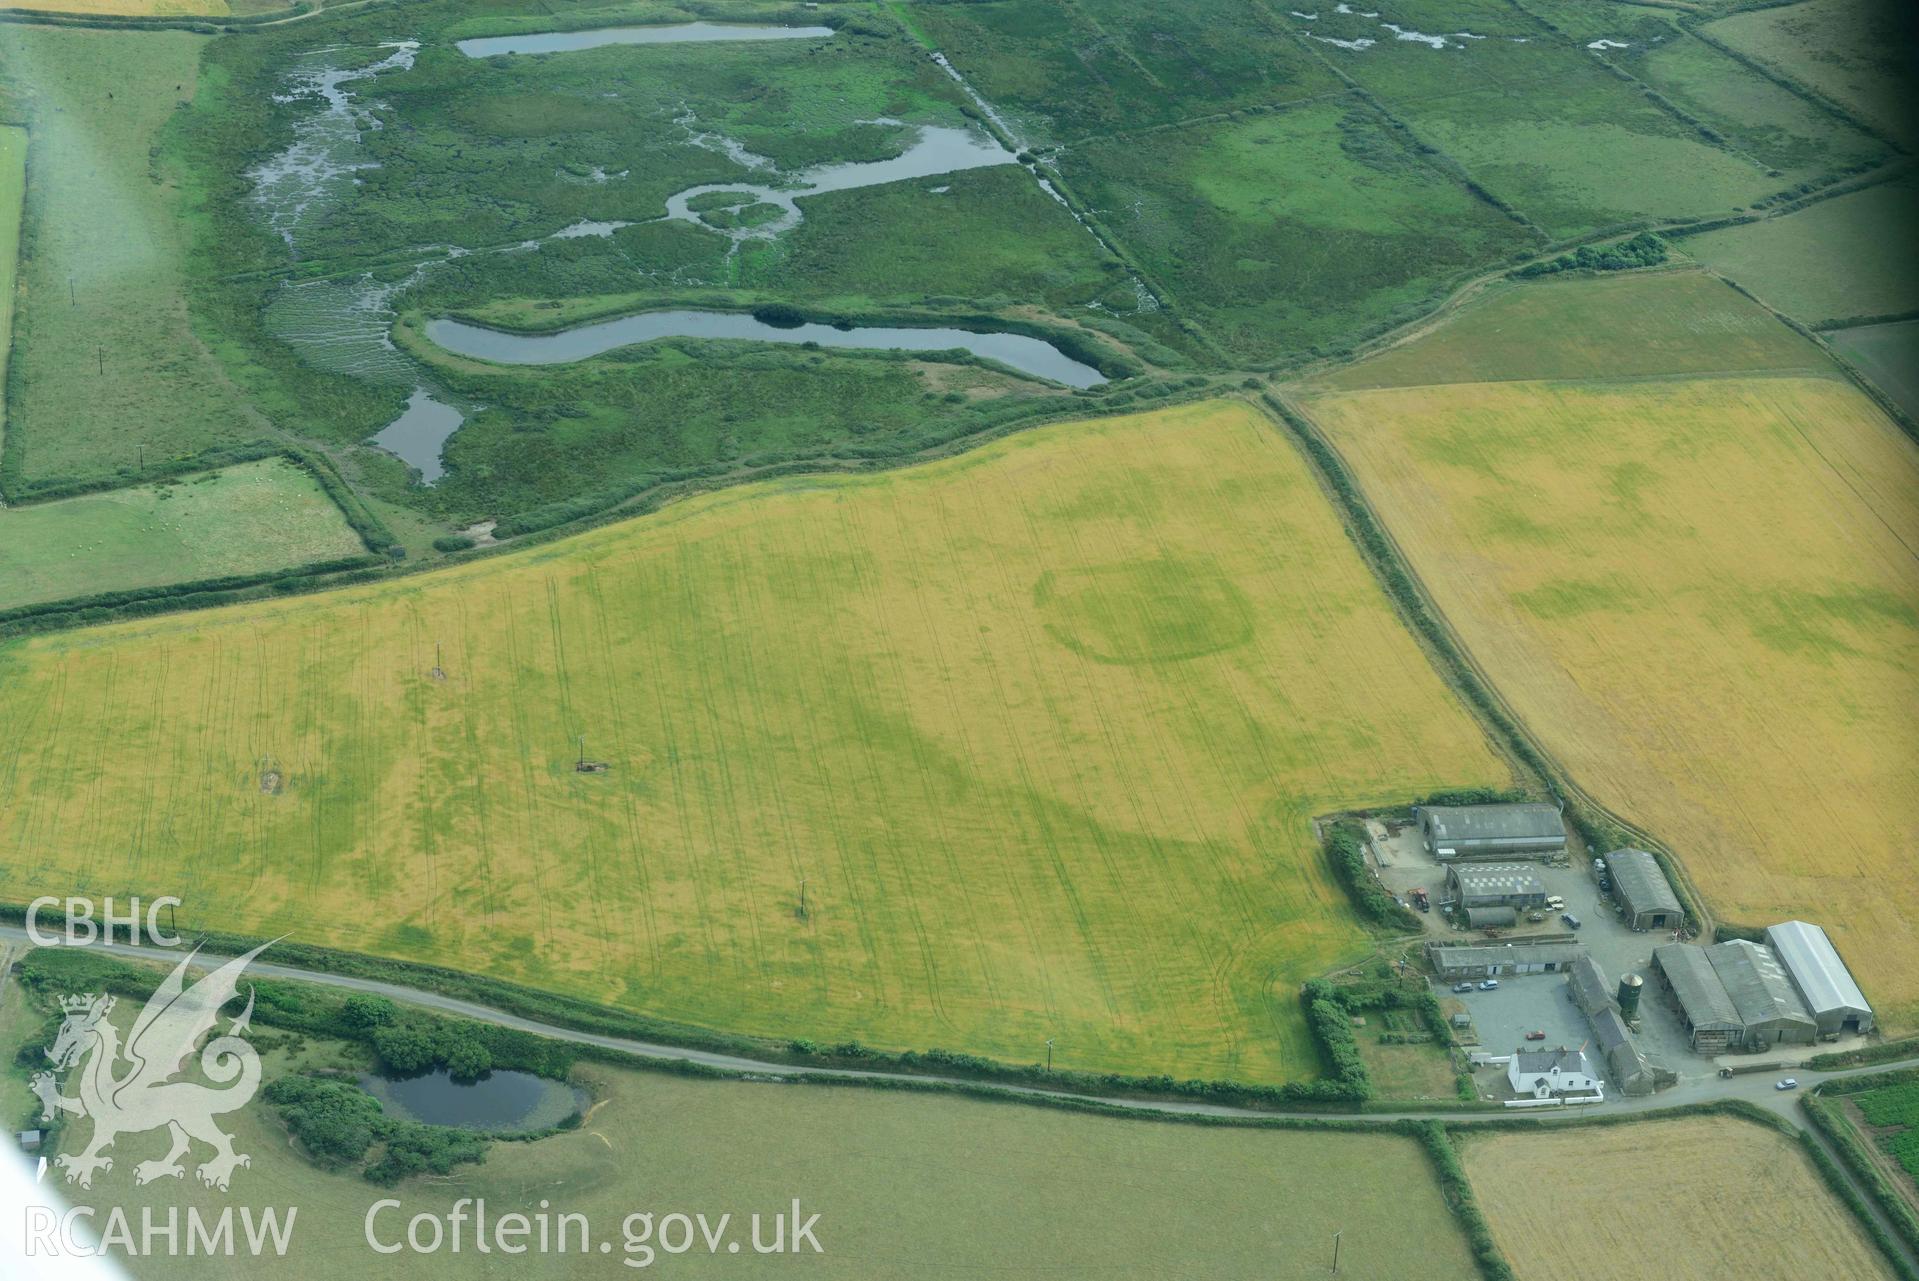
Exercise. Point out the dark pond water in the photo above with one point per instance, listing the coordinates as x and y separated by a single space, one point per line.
500 1101
1029 355
679 33
418 435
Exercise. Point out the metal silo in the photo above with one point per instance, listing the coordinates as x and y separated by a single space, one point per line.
1629 986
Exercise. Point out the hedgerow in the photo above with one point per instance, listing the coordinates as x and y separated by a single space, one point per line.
1345 844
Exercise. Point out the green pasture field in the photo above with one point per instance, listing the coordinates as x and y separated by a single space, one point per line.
1042 725
1546 128
1624 325
13 187
1017 248
1846 258
906 1184
549 433
1581 21
1895 1108
247 519
1861 54
1888 354
1761 118
105 361
1065 69
1288 231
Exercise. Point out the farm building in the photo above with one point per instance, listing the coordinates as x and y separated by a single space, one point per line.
1832 998
1705 1007
1733 995
1628 1067
1768 1004
1491 831
1454 962
1590 990
1644 893
1632 1072
1480 918
1545 1074
1495 885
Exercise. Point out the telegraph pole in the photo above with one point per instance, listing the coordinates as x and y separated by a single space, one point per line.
802 898
1335 1254
1049 1054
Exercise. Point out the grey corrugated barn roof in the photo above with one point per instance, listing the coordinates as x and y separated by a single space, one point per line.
1497 878
1468 955
1591 991
1698 986
1823 977
1494 822
1757 983
1637 879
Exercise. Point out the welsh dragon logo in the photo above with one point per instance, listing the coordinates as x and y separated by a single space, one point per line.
127 1089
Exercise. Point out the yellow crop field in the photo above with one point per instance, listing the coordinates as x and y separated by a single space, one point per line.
1702 597
1041 728
1742 1200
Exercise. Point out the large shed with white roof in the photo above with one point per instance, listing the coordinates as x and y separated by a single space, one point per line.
1831 995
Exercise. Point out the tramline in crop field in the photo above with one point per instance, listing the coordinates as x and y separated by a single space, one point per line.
1041 727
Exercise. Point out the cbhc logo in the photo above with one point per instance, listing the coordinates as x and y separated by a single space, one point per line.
83 924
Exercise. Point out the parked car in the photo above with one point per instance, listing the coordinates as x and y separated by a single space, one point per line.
1535 1036
1462 987
1487 985
1556 903
1572 922
1790 1083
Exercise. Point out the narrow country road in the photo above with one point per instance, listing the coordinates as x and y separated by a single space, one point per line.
1756 1088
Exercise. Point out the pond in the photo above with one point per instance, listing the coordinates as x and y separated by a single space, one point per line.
935 149
1028 355
502 1102
679 33
417 436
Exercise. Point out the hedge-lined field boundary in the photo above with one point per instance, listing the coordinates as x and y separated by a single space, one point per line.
1599 829
202 593
1345 1090
1830 1120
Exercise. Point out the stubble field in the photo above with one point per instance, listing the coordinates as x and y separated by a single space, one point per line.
1041 727
1700 595
1743 1200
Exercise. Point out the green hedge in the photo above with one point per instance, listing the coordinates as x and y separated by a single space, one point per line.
1458 1193
1643 250
1882 1052
1345 845
1829 1120
1842 1187
1598 830
584 1016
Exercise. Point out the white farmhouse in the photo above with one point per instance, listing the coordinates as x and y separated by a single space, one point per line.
1546 1074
